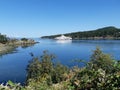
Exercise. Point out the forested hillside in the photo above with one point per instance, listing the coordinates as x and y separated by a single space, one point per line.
102 33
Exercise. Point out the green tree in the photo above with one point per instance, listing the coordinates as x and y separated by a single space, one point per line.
34 70
40 69
44 70
3 38
101 73
60 73
24 39
102 60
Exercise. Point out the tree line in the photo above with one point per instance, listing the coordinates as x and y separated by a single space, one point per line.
102 33
3 38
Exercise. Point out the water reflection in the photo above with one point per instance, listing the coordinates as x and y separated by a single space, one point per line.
27 45
64 41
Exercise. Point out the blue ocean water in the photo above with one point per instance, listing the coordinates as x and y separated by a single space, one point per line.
13 66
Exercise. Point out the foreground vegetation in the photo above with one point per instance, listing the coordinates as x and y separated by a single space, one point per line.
102 72
102 33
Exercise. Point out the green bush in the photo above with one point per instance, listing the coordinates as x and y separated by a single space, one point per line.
44 70
24 39
101 73
3 39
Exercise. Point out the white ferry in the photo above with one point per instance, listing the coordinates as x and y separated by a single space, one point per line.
62 37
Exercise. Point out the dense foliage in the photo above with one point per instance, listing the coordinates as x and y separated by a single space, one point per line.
24 39
3 38
43 70
102 72
102 33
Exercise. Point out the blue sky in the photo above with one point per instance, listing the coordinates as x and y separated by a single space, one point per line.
35 18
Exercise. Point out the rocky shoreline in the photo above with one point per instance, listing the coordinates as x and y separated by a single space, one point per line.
21 42
4 49
11 45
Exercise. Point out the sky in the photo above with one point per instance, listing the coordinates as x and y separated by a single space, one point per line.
36 18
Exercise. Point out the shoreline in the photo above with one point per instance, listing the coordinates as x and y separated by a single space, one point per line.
9 47
5 49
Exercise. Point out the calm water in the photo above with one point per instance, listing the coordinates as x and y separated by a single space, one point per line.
13 66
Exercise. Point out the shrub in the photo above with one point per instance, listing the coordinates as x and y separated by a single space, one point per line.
101 73
44 70
3 39
24 39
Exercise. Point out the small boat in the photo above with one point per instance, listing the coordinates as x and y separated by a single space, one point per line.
62 37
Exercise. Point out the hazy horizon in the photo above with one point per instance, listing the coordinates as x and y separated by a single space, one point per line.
36 18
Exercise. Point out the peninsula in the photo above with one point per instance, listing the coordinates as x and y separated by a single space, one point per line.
8 45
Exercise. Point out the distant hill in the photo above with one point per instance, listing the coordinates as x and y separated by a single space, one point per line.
102 33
